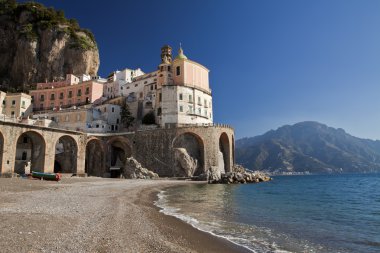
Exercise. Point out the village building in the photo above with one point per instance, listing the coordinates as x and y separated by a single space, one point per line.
72 91
15 105
99 119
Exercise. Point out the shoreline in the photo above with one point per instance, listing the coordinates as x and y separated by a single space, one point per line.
209 241
96 215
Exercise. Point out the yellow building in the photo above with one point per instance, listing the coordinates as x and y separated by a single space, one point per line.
16 105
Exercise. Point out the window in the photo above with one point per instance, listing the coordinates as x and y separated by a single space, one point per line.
87 90
78 117
205 103
113 109
117 121
206 112
151 87
61 95
155 86
178 70
145 82
190 98
181 108
105 109
168 68
23 104
13 113
136 84
67 118
52 96
97 126
79 93
190 109
25 139
162 68
4 102
159 111
159 97
70 93
199 111
180 96
13 102
42 97
116 127
199 101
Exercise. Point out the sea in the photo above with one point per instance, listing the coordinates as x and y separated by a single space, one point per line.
313 213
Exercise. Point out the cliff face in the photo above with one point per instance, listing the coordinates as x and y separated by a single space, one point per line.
39 44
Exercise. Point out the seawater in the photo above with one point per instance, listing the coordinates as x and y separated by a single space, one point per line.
316 213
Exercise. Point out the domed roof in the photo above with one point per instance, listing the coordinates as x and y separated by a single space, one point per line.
180 54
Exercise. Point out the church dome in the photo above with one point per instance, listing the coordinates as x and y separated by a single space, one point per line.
180 54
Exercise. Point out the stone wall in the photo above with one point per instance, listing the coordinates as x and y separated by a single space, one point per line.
94 154
154 149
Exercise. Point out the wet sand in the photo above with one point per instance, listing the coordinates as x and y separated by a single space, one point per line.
95 215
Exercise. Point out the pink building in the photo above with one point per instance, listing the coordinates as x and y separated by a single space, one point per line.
72 91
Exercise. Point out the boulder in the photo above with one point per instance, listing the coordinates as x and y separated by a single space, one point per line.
134 170
185 165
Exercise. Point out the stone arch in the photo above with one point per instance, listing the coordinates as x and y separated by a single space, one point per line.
1 151
189 154
224 153
233 150
95 164
66 155
33 144
118 150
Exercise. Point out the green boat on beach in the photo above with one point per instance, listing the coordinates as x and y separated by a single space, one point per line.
46 176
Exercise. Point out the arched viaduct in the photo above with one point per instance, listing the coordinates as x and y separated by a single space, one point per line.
57 150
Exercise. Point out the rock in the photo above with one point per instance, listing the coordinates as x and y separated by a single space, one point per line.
214 175
185 165
33 51
238 176
134 170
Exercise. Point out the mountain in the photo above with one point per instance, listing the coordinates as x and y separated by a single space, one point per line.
308 147
39 44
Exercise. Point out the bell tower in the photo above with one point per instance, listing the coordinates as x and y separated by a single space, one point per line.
166 54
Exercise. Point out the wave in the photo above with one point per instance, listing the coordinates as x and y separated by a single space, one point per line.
214 228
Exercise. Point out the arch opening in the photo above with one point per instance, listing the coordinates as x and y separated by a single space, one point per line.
188 155
30 153
94 164
224 153
119 150
66 155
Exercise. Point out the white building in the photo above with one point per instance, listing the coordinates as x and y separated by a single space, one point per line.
99 119
117 80
15 105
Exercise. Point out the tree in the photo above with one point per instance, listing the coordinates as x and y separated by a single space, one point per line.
126 116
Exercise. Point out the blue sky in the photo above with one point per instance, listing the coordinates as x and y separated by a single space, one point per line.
272 62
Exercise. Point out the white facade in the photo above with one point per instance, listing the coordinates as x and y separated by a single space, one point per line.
117 81
102 119
16 105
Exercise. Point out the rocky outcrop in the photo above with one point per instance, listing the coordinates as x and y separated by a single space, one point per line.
134 170
185 165
238 175
39 44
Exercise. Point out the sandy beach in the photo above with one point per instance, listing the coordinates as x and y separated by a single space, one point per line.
95 215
